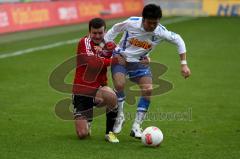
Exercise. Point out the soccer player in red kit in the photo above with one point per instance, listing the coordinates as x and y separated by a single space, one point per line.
90 83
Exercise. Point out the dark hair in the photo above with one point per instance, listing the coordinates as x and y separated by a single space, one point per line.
152 11
96 23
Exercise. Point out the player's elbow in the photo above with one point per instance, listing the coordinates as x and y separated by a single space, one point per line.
180 44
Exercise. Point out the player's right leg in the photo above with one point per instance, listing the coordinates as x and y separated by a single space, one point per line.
105 96
118 76
83 112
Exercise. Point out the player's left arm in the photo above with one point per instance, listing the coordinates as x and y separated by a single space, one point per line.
185 70
177 40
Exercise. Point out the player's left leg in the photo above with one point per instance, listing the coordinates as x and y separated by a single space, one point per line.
140 74
83 114
145 84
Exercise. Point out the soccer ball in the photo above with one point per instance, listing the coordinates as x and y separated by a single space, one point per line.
152 136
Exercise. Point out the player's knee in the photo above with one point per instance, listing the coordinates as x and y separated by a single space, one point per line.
109 97
81 127
119 85
111 101
82 134
147 90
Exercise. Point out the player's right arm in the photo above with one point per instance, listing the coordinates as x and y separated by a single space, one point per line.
115 30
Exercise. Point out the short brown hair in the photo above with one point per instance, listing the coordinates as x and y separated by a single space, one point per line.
96 23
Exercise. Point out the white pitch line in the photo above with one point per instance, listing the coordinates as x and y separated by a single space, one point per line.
57 44
34 49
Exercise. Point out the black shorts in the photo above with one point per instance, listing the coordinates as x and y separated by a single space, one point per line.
83 107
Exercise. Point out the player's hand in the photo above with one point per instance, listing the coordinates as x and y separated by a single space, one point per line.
98 49
186 72
110 46
145 60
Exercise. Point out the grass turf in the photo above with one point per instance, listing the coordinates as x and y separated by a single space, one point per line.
30 128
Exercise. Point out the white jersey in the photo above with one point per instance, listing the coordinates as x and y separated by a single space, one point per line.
136 42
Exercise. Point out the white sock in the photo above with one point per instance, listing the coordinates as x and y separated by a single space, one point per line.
120 108
89 125
139 118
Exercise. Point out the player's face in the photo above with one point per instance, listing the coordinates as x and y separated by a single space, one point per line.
150 25
97 34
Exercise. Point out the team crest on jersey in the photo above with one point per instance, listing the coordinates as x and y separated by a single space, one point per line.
154 38
143 44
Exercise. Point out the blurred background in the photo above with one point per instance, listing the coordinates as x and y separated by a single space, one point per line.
19 15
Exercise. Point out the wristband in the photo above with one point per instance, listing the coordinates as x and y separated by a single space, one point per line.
183 62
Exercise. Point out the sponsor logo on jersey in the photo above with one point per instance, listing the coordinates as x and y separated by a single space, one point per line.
143 44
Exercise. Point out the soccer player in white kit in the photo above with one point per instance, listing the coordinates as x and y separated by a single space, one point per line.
140 36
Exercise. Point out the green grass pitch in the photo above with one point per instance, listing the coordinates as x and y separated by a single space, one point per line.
29 127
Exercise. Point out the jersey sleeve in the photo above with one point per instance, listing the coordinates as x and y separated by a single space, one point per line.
84 47
115 30
173 38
